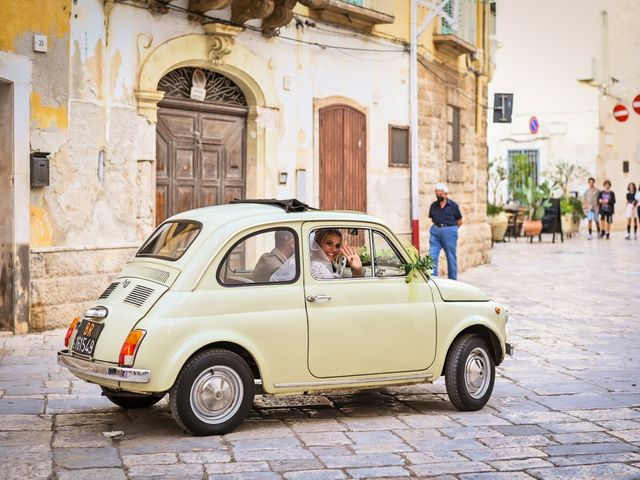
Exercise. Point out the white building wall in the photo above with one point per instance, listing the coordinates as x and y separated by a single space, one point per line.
620 142
544 48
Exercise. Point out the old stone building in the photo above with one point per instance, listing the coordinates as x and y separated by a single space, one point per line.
141 109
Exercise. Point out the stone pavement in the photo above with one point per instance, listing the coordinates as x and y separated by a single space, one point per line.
567 405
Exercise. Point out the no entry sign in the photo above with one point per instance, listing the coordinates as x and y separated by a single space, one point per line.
620 113
534 125
636 104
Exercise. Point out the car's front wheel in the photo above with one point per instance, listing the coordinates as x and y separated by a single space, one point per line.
469 373
132 400
213 393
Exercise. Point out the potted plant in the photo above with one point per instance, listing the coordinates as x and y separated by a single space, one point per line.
578 213
497 218
561 175
535 199
566 215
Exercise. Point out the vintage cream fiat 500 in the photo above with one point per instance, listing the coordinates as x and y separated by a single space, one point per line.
223 301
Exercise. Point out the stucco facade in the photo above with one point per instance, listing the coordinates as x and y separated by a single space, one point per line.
92 101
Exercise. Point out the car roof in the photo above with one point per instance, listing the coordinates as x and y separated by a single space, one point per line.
248 214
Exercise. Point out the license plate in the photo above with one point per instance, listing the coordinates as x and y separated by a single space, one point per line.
87 337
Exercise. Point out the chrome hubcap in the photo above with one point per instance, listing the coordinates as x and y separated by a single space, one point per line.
216 394
477 373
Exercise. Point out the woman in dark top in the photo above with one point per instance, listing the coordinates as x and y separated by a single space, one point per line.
631 212
607 201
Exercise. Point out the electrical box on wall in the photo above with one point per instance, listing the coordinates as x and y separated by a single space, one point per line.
39 169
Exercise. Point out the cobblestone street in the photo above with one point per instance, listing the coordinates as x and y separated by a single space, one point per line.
566 406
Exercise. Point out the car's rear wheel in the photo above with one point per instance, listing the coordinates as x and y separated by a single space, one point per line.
132 400
213 393
469 373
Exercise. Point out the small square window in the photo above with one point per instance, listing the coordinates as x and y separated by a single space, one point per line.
399 146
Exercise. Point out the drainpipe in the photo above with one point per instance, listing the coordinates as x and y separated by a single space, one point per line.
413 102
413 99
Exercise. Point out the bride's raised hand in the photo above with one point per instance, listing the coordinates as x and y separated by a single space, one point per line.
353 258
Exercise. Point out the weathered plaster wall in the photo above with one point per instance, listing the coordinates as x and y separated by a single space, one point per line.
92 215
49 94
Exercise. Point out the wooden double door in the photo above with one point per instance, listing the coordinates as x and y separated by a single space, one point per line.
200 156
343 158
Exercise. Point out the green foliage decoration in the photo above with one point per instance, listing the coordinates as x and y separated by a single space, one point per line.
417 263
572 206
520 169
535 198
562 173
493 209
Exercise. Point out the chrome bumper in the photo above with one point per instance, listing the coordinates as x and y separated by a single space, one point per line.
78 365
510 349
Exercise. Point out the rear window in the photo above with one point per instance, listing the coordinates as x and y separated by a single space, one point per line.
170 240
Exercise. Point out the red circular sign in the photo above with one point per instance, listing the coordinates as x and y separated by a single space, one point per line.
636 104
534 125
620 113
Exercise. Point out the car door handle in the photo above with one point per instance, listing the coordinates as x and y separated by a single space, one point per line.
318 298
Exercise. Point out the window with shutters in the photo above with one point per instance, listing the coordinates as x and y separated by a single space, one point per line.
453 134
399 148
522 165
465 14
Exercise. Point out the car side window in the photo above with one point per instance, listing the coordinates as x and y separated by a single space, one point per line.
340 253
387 261
262 258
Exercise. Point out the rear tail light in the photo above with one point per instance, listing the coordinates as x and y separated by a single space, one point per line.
130 347
72 327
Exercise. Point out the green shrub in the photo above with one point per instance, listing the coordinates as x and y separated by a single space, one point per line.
493 209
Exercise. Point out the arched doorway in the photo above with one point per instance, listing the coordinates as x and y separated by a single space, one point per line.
343 158
200 141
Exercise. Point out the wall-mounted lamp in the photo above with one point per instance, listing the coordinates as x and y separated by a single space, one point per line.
282 178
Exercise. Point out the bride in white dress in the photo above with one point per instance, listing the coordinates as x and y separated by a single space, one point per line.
329 255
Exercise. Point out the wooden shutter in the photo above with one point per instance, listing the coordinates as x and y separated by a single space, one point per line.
343 159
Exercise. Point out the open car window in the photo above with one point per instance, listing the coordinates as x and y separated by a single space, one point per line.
170 240
387 261
266 257
332 264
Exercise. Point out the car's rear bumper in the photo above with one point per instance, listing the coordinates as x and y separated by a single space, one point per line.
87 368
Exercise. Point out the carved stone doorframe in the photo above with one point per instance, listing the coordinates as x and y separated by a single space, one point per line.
245 70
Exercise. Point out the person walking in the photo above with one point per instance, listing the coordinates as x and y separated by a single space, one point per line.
607 202
443 234
631 213
638 202
590 205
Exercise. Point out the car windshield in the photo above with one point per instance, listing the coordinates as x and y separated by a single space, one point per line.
170 240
